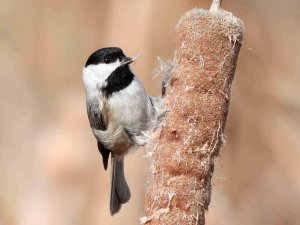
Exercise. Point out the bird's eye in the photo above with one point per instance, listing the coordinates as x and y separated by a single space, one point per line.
107 60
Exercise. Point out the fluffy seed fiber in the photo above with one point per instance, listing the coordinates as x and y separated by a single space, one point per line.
197 98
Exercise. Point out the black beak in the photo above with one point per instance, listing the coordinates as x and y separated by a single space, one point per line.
126 60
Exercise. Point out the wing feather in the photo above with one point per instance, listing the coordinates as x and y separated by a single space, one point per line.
97 122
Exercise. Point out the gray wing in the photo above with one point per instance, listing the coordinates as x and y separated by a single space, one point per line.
97 122
95 115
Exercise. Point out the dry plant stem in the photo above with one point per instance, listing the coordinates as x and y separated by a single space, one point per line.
198 95
215 5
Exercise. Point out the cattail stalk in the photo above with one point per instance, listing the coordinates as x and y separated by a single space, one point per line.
197 101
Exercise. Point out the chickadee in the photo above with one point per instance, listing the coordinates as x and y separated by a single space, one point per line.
119 111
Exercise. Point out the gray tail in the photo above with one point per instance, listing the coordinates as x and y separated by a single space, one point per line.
120 192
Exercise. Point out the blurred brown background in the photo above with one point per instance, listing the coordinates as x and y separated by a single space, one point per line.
50 170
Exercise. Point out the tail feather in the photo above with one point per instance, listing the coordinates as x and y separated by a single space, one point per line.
120 192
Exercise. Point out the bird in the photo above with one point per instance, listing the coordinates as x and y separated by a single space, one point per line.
120 112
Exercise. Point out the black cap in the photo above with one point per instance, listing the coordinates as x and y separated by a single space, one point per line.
105 55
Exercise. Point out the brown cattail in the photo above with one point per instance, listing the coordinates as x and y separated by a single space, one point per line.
197 100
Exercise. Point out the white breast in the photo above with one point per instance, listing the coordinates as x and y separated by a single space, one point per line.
130 106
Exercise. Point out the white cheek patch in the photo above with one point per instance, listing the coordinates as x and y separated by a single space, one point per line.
95 75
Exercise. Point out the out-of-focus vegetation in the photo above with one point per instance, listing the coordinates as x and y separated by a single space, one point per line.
50 170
